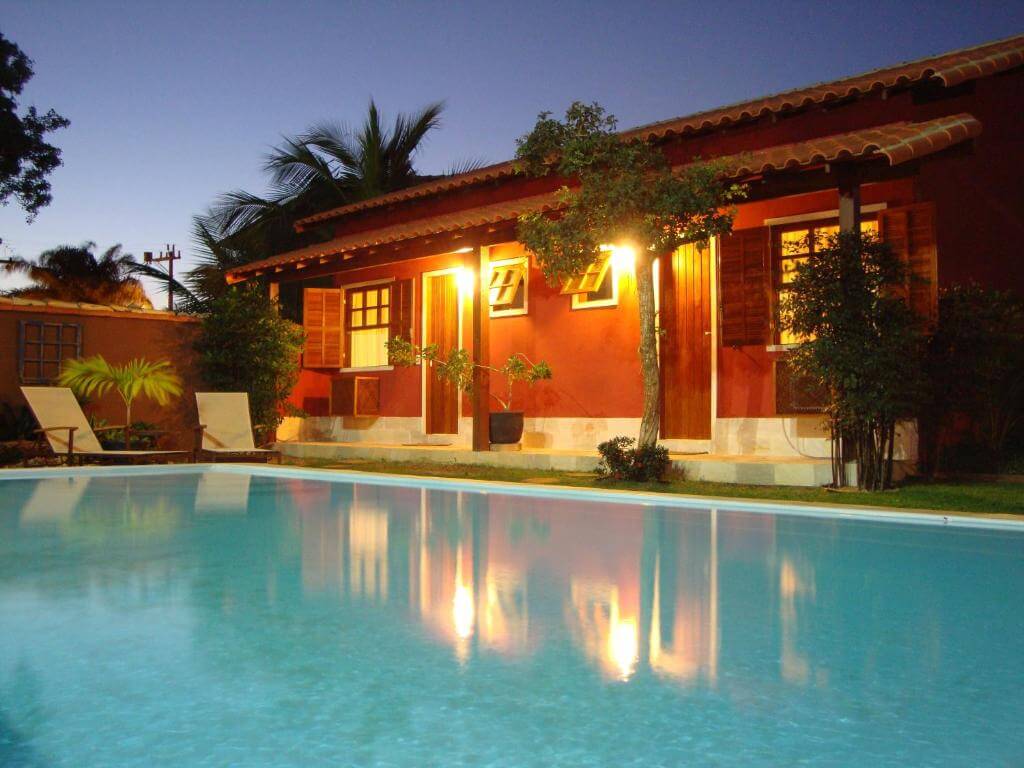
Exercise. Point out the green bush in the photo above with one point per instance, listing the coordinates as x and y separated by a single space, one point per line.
976 370
864 349
244 345
16 422
621 461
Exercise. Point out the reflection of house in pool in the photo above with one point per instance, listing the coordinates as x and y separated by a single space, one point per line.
636 590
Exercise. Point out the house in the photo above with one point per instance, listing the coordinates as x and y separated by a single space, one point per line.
927 153
38 335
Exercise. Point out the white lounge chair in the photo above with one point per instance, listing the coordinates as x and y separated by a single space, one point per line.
225 429
67 430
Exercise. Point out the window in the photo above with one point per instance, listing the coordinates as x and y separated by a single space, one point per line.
596 286
43 348
508 287
367 320
793 245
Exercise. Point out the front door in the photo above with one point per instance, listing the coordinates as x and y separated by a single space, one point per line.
441 327
685 320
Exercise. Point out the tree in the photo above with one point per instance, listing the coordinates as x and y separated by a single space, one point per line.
863 349
26 159
628 194
95 376
327 166
244 345
74 273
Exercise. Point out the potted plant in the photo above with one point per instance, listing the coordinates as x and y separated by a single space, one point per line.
506 425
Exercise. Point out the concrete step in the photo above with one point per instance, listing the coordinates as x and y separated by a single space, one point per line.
746 470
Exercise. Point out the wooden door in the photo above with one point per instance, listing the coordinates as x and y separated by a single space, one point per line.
441 327
685 319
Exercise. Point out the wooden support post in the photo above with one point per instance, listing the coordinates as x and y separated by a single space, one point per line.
478 262
849 198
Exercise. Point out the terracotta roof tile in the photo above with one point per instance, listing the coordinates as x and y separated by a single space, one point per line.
897 142
950 68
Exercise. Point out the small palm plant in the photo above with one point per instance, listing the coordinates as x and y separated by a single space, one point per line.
95 376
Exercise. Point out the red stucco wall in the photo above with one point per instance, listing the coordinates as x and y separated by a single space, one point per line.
119 337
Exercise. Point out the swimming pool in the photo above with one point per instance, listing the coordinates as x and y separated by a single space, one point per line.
260 617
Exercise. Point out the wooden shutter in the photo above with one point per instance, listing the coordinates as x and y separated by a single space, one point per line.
322 320
401 320
910 232
743 280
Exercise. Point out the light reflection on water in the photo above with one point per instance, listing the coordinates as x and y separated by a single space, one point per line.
730 634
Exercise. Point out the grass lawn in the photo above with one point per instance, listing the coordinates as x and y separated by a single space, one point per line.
982 497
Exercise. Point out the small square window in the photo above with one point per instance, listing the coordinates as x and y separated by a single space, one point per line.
597 286
43 348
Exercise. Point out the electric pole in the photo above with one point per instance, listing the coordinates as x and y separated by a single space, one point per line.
170 255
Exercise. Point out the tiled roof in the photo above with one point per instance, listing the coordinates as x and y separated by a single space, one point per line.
432 225
949 68
81 307
897 142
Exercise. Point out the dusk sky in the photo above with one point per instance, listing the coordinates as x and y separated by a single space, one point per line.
173 103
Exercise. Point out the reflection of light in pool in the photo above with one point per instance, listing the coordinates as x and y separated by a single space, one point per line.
623 647
462 611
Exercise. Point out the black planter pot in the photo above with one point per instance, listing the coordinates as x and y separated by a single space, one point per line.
506 427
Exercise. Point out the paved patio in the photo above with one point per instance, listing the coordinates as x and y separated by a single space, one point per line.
752 470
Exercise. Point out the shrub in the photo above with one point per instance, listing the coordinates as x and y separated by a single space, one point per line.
244 345
621 461
976 369
863 349
16 422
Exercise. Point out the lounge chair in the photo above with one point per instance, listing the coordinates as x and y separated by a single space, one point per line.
225 429
63 424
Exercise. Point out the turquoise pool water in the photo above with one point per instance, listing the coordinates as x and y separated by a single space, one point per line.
220 619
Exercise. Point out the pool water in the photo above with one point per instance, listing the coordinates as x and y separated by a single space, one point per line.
218 618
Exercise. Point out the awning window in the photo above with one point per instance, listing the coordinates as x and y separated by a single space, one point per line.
505 282
591 280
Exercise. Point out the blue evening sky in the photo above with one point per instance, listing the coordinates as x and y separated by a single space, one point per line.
172 103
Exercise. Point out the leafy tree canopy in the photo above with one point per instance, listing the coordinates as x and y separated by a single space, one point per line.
26 159
623 193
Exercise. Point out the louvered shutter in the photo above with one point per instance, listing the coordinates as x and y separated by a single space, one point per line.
910 232
743 280
401 320
322 321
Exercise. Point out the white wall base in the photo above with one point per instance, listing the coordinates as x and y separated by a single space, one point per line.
788 436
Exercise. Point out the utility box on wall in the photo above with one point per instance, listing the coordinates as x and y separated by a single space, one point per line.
355 396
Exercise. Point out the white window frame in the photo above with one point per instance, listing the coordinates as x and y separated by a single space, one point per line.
580 301
517 311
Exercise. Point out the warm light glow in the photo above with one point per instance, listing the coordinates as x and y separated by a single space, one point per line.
462 611
467 249
464 278
623 258
623 646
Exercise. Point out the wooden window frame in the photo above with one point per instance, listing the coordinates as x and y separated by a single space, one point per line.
501 310
42 359
348 292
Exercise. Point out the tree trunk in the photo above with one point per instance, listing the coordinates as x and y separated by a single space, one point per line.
651 421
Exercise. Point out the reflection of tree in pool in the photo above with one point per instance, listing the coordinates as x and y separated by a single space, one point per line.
21 715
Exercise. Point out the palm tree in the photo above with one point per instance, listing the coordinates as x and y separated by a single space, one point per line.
74 273
327 166
95 376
